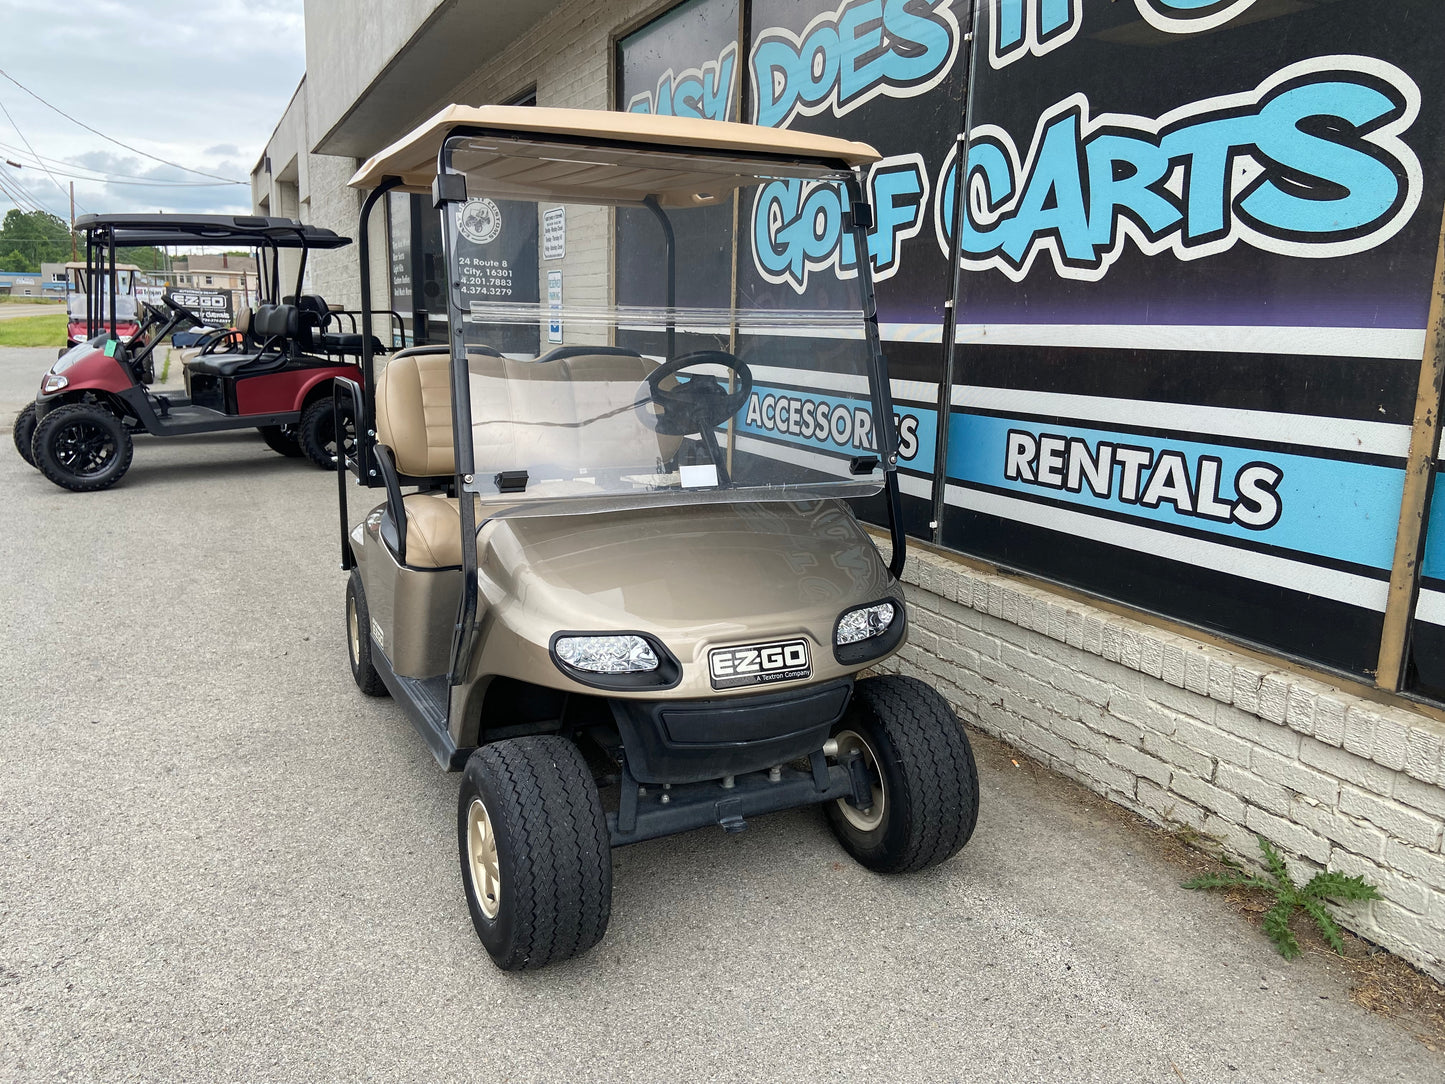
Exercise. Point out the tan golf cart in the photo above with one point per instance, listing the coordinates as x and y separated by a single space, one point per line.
615 579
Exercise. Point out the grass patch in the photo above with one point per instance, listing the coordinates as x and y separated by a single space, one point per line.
6 299
33 331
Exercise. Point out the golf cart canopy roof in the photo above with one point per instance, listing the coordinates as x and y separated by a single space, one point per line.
135 230
728 155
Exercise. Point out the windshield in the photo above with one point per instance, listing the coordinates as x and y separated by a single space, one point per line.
649 337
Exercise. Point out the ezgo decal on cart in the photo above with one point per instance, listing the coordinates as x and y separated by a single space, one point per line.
759 664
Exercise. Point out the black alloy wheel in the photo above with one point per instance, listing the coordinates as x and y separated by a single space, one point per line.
82 447
318 430
282 438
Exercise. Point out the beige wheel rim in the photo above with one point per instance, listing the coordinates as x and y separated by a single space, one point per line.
864 822
353 625
482 858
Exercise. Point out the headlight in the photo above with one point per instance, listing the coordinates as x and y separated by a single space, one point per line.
52 383
607 654
864 623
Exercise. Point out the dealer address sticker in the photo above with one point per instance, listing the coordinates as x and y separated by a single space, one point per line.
759 664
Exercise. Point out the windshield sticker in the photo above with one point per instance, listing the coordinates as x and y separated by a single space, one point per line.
480 221
849 56
1310 164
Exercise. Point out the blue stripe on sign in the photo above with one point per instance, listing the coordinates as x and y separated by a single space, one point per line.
1433 564
1329 508
838 423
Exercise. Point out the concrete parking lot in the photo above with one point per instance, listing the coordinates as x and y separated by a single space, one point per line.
218 861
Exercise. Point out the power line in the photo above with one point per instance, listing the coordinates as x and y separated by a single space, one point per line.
31 149
112 139
100 177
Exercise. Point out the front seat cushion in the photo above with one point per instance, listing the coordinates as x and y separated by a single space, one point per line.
433 531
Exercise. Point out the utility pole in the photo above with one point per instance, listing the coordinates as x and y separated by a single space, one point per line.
72 222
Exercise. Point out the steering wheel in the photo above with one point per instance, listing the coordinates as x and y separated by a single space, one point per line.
697 404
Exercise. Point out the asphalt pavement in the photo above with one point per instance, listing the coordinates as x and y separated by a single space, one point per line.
15 309
218 861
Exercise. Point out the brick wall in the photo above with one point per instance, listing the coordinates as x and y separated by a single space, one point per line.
1188 733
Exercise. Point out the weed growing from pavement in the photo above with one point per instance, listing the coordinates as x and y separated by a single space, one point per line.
1289 897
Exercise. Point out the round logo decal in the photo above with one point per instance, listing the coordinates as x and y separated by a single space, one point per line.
480 221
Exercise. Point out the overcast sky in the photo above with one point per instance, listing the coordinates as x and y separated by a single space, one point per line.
198 82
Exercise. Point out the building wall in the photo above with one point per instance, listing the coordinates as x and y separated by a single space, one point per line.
1187 733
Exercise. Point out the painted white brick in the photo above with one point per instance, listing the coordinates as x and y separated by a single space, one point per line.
1360 730
1212 798
1098 769
1208 739
1196 671
1424 752
1417 829
1273 697
1330 720
1294 775
1422 796
1275 737
1354 836
1300 709
1287 834
1169 806
1253 789
1390 738
1424 865
1181 757
1345 766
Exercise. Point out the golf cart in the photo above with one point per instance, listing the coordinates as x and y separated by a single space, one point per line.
613 579
83 309
273 371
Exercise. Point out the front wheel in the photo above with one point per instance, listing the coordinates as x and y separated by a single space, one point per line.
283 439
82 447
925 784
318 433
24 433
536 857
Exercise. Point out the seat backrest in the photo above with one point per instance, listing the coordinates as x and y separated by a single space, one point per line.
243 322
584 402
414 412
275 322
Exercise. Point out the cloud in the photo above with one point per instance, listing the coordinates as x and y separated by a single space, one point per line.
209 100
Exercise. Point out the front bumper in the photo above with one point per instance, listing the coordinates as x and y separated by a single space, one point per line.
689 741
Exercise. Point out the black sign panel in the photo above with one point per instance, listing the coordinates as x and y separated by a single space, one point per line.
214 307
1198 244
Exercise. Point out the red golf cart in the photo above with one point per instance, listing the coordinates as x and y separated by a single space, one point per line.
82 308
272 372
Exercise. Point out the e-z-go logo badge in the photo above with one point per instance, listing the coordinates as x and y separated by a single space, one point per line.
480 221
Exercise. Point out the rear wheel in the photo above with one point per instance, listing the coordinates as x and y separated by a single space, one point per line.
535 854
925 784
283 439
82 447
358 639
24 433
318 432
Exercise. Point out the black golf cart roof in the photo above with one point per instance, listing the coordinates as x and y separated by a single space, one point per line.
160 230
